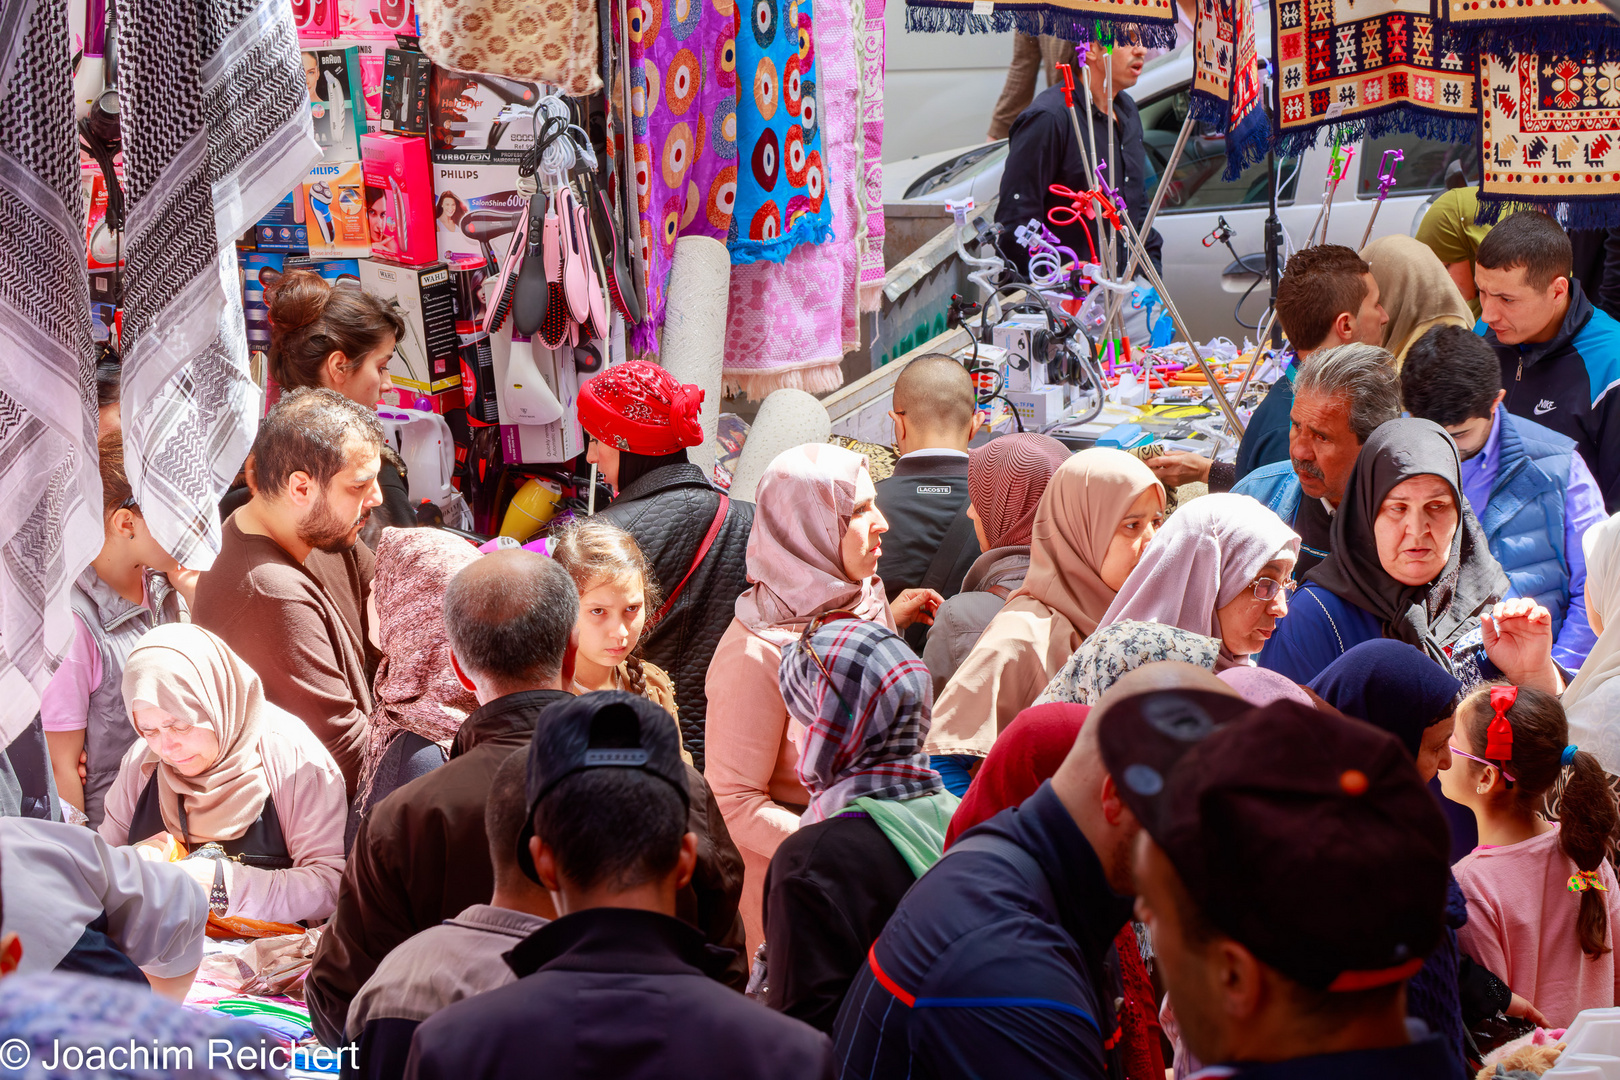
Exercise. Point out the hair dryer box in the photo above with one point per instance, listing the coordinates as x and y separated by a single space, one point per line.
403 104
334 195
477 208
428 358
529 444
337 104
476 118
399 198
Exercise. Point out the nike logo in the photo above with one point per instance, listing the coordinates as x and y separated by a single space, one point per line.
1544 407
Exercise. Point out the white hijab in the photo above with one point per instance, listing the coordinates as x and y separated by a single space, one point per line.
1592 702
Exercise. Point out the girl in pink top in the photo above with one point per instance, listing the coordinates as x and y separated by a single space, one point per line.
1541 894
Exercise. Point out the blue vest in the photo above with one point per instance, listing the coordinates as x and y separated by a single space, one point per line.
1524 520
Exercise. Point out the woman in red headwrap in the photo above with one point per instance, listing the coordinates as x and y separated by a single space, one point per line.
641 420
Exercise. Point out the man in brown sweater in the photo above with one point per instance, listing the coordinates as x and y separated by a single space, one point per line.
288 591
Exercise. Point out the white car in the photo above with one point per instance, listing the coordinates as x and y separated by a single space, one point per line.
1217 293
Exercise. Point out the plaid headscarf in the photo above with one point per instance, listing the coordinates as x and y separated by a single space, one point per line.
879 755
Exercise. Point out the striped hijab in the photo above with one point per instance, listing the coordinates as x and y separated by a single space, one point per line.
1006 479
879 752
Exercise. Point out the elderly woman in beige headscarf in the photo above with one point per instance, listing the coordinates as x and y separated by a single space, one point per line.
242 787
1415 289
814 549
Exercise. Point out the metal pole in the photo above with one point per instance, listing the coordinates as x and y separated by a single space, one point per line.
1116 299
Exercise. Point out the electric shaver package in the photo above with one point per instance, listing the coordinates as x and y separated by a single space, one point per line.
337 104
286 227
480 118
403 105
334 196
399 198
428 358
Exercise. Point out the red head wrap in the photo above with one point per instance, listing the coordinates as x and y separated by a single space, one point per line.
639 407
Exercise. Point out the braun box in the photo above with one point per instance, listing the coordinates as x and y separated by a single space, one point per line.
428 358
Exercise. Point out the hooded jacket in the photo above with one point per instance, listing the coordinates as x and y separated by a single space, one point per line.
669 511
1569 384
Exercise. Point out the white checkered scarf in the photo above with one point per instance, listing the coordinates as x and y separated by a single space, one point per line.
50 489
216 130
888 687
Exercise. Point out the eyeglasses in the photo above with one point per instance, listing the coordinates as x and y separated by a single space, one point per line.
804 640
1509 777
1267 588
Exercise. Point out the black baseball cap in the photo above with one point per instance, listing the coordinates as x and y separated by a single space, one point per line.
1307 837
608 729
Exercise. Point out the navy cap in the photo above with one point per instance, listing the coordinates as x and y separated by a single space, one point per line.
609 729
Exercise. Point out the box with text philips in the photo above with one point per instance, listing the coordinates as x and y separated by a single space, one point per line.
399 198
337 104
1040 407
334 196
428 358
476 209
403 106
530 444
480 118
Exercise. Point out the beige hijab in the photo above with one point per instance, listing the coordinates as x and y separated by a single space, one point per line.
803 506
1415 290
194 676
1061 602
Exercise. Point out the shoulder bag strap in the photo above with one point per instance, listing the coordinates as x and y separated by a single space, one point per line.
697 560
950 549
1022 861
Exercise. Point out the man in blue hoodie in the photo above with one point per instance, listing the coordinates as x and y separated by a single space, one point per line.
1530 490
1560 356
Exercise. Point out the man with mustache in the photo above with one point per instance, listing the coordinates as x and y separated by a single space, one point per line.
289 590
1341 395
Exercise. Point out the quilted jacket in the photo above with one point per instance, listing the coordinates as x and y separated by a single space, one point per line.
669 511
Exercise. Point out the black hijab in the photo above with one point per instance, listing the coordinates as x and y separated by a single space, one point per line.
633 467
1429 616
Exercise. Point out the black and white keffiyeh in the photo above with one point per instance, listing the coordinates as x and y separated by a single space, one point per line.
216 131
50 489
865 727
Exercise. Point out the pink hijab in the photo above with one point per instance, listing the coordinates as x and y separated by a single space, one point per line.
802 508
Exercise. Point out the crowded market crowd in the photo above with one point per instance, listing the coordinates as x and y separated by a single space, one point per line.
1309 776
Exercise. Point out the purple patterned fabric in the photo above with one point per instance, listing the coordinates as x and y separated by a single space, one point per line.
683 95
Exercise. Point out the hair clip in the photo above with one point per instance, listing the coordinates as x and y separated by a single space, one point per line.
1581 880
1499 736
1569 756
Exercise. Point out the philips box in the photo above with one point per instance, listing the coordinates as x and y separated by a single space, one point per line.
334 196
477 208
428 358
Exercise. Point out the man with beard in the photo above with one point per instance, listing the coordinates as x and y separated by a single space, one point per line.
289 590
1341 396
1529 487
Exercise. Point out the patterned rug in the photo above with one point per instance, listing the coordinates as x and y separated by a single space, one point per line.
869 55
1152 22
782 188
1228 85
683 104
1550 134
1368 68
1507 26
50 515
216 131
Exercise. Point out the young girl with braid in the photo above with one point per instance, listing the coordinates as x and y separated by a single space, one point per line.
617 598
1542 895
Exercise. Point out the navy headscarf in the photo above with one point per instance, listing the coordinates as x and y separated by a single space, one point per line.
1391 685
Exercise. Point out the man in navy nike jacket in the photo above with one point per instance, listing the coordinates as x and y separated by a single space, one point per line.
1560 355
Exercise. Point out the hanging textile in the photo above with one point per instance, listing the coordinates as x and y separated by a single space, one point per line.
1368 75
683 105
1228 87
1571 26
782 188
1152 22
50 488
216 130
789 324
1550 134
869 229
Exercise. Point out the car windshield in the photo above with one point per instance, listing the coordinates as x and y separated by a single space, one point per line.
1198 184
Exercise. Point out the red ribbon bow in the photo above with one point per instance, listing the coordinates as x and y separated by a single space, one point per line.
1499 736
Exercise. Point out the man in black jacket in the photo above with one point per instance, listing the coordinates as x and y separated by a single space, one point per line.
616 985
669 506
422 854
931 543
1044 151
